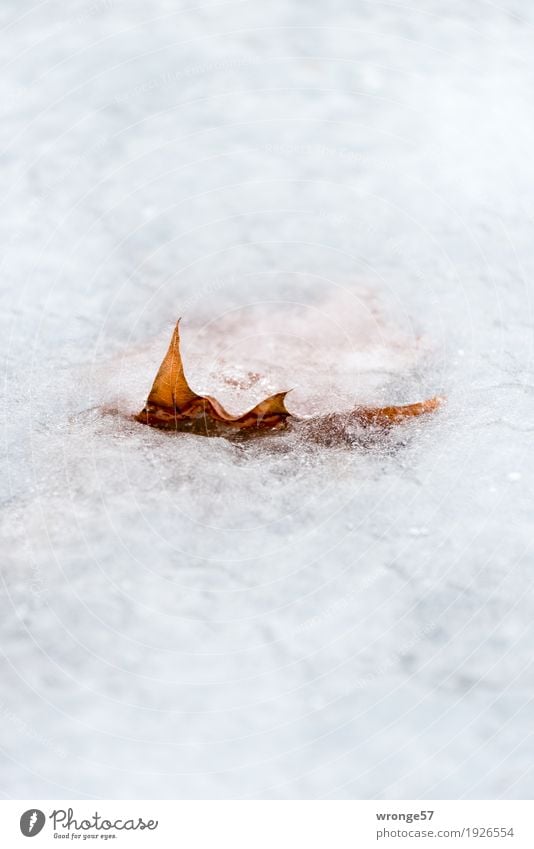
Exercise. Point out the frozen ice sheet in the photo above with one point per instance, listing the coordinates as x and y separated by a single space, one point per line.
336 199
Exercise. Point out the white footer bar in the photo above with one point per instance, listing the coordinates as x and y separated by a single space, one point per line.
269 824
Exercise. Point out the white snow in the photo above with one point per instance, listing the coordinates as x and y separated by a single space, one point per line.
336 198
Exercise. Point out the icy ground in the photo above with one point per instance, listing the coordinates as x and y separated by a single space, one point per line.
335 197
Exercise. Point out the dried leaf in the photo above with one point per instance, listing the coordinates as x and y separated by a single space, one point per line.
385 416
173 405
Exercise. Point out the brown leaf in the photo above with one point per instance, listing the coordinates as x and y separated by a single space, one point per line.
173 405
386 416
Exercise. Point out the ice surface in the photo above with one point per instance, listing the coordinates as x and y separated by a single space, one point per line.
336 198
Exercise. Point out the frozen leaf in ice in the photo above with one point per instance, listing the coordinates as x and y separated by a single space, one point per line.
173 405
385 416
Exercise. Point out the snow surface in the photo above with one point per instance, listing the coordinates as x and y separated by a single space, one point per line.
336 198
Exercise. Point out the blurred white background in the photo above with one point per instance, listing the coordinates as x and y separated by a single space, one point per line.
338 195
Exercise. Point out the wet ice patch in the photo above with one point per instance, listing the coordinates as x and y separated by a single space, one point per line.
333 355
